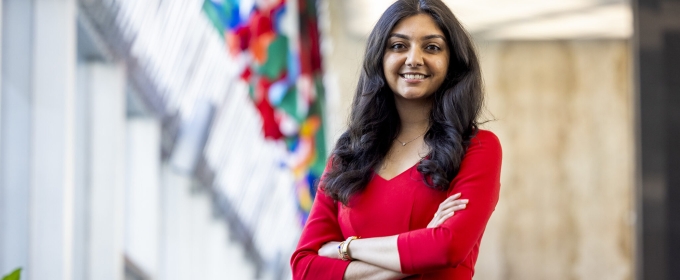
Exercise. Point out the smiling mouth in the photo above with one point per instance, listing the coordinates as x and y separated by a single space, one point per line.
413 76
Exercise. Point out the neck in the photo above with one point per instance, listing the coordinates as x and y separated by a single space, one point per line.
414 115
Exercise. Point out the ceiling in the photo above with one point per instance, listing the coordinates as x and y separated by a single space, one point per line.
517 19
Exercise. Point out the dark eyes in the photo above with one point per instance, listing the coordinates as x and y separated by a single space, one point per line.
433 48
397 46
430 48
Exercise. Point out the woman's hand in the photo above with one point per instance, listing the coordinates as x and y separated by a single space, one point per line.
330 250
446 209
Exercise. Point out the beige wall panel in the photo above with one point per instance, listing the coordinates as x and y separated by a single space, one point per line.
563 113
343 55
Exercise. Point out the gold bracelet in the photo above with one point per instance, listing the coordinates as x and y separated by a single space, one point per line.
344 249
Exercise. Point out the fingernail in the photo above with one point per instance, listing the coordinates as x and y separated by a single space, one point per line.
465 200
457 195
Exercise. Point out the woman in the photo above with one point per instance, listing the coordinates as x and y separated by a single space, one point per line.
412 156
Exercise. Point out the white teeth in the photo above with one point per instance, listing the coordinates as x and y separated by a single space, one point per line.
414 76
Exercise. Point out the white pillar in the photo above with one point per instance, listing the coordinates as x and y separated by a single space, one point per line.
195 243
142 216
15 133
171 226
1 16
81 198
52 139
107 171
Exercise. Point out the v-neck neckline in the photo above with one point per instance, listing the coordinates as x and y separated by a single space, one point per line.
400 173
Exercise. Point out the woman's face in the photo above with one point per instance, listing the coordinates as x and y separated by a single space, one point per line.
416 58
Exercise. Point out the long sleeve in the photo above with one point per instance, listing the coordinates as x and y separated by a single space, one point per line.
321 227
448 245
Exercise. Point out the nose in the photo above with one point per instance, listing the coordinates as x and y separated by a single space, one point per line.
414 57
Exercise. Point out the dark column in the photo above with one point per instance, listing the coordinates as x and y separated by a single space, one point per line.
657 56
672 74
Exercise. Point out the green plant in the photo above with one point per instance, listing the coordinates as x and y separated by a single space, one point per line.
15 275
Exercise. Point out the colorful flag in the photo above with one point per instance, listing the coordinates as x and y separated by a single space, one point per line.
285 78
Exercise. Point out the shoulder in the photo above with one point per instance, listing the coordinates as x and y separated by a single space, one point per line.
486 144
485 138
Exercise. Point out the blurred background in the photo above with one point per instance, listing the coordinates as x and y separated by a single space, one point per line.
180 139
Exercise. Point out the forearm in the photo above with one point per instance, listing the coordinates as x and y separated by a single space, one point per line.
378 251
362 270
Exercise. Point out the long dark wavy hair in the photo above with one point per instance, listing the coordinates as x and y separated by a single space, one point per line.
374 122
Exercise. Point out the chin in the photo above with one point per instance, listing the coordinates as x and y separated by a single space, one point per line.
413 95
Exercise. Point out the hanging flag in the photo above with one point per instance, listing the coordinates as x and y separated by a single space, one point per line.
285 82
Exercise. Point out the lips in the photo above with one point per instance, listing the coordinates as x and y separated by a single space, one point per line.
413 76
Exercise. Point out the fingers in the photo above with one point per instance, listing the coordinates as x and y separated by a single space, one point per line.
452 201
452 198
448 208
451 210
448 204
443 218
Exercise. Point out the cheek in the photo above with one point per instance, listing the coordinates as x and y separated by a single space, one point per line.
442 66
390 64
443 63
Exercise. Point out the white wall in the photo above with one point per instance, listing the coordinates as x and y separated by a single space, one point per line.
37 137
15 134
195 242
82 187
142 203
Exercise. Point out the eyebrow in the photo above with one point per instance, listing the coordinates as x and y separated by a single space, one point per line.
428 37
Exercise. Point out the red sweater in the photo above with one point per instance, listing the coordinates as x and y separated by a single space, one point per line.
404 205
